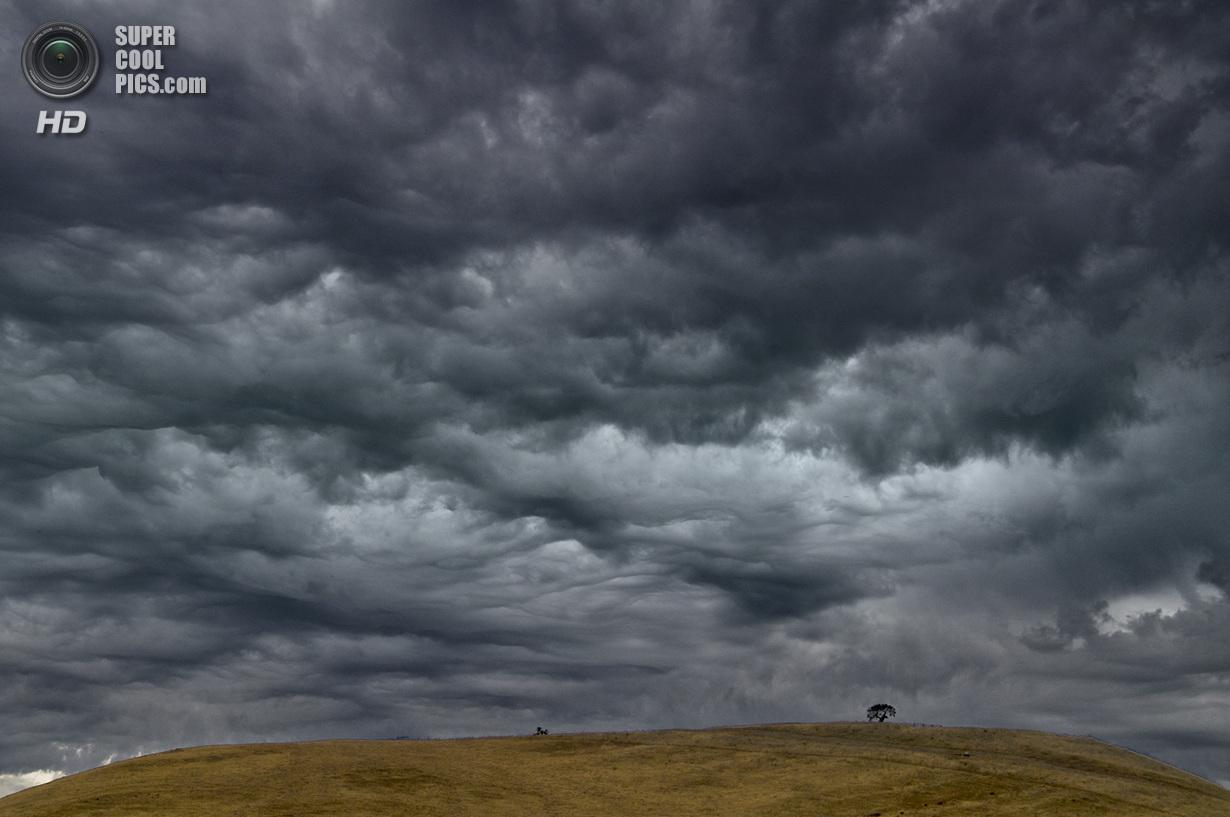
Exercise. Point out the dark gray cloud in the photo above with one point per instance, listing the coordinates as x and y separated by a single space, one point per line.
456 368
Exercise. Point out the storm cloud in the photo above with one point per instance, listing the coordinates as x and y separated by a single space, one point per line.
458 368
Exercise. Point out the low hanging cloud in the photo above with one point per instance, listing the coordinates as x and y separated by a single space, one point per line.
462 369
10 783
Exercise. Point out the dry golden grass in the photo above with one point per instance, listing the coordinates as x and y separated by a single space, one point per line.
818 770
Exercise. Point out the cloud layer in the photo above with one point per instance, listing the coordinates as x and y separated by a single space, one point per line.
455 370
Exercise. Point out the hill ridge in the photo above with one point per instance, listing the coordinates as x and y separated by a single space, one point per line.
843 769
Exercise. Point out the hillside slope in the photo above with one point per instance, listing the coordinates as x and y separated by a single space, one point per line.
819 770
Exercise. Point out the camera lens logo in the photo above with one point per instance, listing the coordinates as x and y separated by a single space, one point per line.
60 60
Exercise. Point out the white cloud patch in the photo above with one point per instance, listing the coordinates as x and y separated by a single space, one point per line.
16 781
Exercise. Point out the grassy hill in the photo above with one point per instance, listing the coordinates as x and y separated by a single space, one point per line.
818 770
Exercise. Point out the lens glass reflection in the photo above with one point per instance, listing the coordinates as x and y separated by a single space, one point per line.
61 58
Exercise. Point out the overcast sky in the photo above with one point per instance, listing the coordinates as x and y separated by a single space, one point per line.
460 368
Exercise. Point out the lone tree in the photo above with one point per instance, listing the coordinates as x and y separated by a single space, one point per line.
881 712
